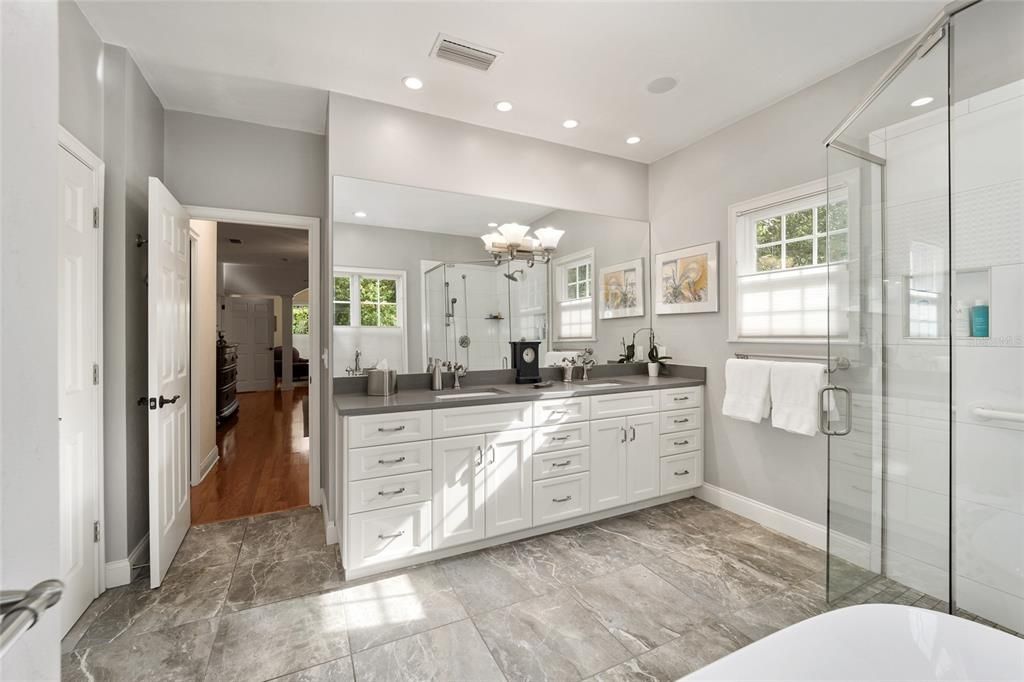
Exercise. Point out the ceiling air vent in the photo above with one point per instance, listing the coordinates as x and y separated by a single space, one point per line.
464 52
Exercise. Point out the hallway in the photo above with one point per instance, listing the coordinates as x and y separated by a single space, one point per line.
264 460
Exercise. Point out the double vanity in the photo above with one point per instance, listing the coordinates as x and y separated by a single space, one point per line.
424 475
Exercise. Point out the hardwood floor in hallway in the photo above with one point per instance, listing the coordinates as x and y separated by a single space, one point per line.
264 460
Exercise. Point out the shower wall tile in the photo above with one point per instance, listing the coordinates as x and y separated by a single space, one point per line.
918 523
990 547
989 466
988 602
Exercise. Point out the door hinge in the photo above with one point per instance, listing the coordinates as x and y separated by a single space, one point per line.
95 374
95 531
96 218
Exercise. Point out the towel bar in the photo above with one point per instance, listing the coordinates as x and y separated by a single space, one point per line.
834 363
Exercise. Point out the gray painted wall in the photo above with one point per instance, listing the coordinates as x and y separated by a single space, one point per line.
29 472
81 77
222 163
377 141
254 280
691 191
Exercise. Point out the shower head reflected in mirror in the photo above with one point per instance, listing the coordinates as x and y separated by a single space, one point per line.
517 275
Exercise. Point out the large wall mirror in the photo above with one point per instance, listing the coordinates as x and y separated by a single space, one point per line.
413 280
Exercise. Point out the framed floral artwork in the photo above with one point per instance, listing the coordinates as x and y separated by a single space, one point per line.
622 291
686 280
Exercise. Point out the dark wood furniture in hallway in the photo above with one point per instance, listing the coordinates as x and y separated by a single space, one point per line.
264 460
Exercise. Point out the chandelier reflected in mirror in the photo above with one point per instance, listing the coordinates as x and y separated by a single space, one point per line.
511 243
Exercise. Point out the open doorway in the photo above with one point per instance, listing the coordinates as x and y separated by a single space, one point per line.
260 347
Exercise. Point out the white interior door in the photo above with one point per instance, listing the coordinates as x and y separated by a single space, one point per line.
169 319
250 324
79 394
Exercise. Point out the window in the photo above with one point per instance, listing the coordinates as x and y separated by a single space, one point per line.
300 319
792 252
374 298
574 297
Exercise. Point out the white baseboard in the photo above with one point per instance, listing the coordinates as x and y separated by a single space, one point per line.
118 573
206 466
813 534
330 529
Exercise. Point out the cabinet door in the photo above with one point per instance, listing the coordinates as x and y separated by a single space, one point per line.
509 481
607 464
642 454
458 477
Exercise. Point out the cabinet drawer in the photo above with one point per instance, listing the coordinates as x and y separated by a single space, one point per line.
385 534
564 437
680 472
386 460
676 443
560 498
561 463
681 420
397 427
389 491
561 411
678 398
463 421
623 404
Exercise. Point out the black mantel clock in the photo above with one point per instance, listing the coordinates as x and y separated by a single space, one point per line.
526 361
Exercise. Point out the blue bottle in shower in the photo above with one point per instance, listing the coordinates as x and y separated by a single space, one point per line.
979 319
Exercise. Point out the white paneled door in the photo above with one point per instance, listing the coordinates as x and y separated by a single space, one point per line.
458 507
509 481
250 324
79 391
169 513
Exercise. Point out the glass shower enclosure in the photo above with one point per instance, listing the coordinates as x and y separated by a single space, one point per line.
926 427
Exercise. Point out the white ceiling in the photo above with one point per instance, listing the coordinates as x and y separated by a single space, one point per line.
270 62
278 246
414 208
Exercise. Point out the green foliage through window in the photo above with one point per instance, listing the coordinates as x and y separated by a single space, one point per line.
374 298
810 236
300 319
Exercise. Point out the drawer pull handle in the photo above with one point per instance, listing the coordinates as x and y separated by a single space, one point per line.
561 499
684 472
396 460
680 442
632 433
565 437
392 536
392 492
479 455
679 400
559 411
623 434
562 464
680 421
397 428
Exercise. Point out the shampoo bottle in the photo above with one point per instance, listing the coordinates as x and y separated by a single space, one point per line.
979 319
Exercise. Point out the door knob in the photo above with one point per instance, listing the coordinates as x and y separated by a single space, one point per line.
168 401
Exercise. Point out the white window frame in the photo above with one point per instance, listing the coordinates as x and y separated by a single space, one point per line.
742 249
400 297
557 282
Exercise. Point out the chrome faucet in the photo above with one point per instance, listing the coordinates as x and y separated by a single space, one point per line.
586 358
357 369
460 371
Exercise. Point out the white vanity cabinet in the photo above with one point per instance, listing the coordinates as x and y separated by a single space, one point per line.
427 483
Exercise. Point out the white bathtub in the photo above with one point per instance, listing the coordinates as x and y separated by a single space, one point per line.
876 642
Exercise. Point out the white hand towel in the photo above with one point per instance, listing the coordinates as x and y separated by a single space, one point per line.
746 389
795 387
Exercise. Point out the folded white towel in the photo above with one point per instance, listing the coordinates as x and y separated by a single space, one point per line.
746 389
795 387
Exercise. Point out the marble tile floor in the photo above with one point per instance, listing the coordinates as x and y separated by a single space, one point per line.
651 595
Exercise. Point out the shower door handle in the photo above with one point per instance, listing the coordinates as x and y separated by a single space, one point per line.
823 411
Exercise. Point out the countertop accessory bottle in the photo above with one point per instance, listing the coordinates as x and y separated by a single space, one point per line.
436 382
979 319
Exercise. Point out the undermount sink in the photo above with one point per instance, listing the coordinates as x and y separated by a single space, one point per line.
462 395
598 384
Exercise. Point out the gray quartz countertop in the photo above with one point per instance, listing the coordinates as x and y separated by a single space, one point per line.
349 404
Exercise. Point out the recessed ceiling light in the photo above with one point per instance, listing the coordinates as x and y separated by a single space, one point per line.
360 214
492 224
921 101
503 106
659 86
412 82
570 123
633 139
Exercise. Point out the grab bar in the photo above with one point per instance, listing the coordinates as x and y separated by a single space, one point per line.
22 610
983 412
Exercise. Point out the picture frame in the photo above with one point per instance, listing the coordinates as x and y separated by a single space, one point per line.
686 280
621 290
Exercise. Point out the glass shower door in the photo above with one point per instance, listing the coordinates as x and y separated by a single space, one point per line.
888 416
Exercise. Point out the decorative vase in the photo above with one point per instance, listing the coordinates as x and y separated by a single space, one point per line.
653 368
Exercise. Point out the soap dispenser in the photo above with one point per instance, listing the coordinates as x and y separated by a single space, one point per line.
979 319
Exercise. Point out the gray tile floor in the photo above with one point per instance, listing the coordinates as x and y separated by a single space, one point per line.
652 595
